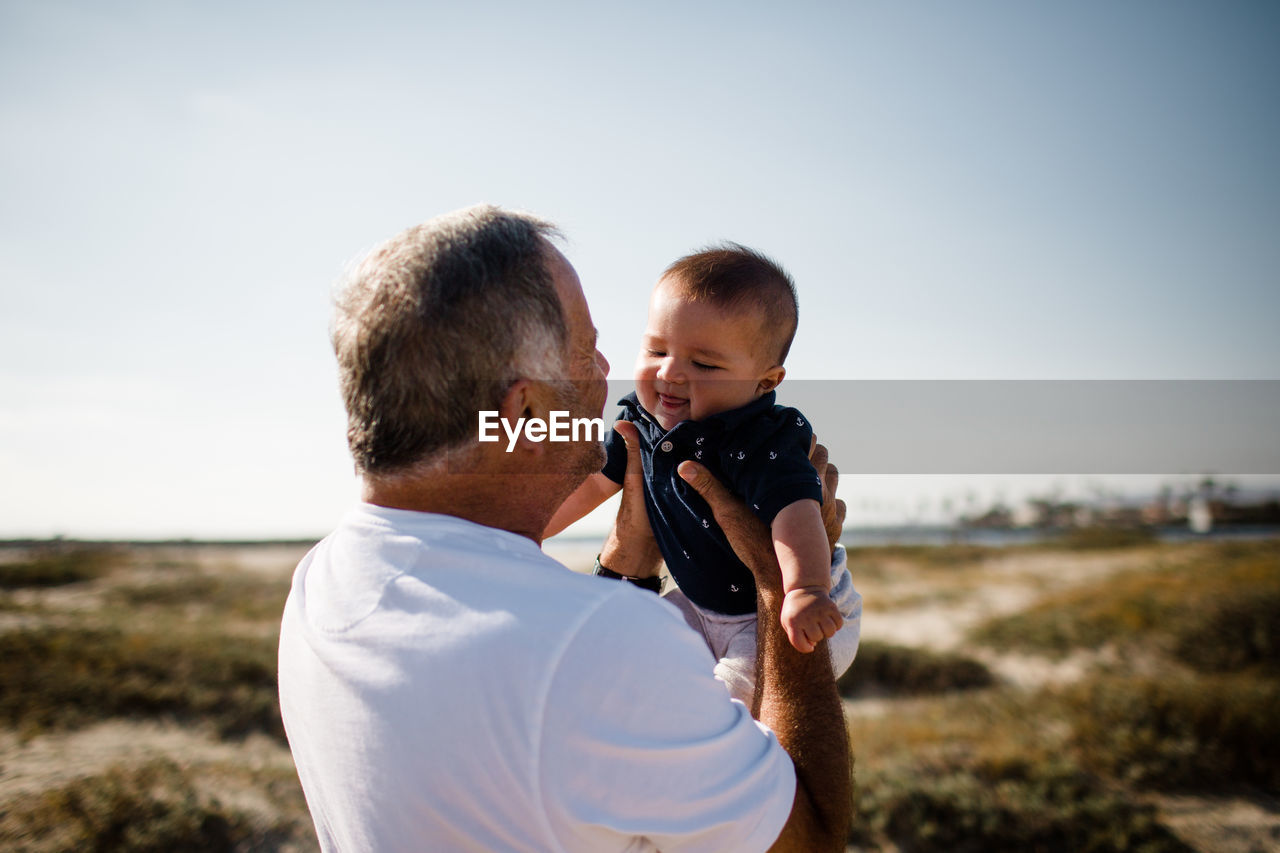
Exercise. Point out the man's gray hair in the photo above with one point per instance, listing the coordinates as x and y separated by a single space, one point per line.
435 324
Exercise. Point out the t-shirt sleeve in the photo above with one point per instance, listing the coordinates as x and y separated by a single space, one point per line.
777 472
640 741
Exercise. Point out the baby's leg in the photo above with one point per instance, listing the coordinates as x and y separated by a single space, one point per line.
844 644
737 664
690 611
731 639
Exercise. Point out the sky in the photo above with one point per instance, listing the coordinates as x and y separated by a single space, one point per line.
962 191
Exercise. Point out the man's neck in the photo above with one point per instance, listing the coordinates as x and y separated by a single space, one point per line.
519 504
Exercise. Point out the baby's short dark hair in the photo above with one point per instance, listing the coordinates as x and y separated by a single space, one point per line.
735 278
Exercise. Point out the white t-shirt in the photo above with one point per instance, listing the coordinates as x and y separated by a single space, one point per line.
447 686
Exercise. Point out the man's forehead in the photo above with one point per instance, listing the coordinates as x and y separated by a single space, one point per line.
568 286
557 263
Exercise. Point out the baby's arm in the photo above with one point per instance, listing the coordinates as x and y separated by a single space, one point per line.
594 491
804 554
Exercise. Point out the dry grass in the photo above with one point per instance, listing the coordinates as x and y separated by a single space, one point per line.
989 771
154 807
1193 733
65 677
56 565
888 670
1182 701
147 635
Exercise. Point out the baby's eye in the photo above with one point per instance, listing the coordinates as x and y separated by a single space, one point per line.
702 366
656 353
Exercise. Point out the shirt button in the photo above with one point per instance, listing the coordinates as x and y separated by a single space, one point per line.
666 446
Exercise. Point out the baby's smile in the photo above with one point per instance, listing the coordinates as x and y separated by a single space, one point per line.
673 405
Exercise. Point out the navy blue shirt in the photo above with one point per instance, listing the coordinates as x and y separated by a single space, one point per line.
759 451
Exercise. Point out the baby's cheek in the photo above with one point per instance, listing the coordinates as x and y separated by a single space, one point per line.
645 393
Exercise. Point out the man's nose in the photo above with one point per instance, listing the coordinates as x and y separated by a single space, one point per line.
602 362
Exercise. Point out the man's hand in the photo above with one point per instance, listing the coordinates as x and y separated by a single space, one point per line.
833 509
747 534
630 549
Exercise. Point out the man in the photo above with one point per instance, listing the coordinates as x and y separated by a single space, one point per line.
447 686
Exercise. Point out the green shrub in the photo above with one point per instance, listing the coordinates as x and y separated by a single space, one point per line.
1101 538
1053 628
1236 632
59 677
240 595
1182 733
930 556
147 809
1003 806
56 565
882 669
1087 617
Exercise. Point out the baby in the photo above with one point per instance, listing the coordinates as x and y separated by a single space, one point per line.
720 324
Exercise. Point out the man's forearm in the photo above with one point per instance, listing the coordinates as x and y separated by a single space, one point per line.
796 697
636 559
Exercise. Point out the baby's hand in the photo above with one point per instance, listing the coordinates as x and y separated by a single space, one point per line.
809 616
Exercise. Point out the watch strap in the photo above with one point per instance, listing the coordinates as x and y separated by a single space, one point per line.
653 584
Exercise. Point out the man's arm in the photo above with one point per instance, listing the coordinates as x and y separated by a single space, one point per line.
795 692
595 490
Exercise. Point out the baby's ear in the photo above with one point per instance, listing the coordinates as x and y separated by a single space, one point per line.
772 379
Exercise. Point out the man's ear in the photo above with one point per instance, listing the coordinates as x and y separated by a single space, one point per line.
526 399
515 402
771 379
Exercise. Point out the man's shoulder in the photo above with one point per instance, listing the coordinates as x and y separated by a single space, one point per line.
620 610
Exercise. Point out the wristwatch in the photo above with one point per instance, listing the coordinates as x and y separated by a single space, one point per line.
653 584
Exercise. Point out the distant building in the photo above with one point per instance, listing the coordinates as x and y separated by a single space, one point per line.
1199 515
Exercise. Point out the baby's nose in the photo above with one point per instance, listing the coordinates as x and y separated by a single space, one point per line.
668 372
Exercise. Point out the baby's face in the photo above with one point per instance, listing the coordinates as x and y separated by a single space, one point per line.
697 360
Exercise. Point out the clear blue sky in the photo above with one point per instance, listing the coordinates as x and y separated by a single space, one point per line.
978 190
